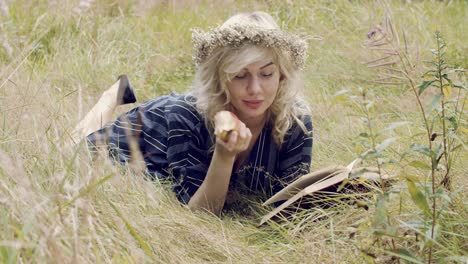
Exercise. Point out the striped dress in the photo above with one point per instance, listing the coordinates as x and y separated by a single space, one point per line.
176 145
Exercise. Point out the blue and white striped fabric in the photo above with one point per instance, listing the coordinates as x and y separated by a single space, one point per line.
176 145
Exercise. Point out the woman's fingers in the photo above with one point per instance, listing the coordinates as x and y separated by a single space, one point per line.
249 135
242 131
238 140
244 137
233 138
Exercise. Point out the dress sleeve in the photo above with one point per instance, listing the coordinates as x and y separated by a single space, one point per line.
296 154
188 153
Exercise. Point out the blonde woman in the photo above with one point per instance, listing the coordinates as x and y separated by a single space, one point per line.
247 66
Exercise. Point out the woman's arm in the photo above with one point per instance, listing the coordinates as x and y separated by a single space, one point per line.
296 154
212 192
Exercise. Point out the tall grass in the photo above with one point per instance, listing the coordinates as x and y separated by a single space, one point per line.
56 205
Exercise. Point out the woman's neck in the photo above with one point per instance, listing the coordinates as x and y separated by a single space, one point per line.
255 124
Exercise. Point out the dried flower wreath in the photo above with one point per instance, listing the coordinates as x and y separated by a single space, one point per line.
237 34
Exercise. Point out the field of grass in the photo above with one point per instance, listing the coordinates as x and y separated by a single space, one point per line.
57 206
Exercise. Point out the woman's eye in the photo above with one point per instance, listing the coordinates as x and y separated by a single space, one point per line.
240 76
267 74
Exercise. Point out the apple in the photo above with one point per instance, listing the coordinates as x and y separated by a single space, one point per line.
225 122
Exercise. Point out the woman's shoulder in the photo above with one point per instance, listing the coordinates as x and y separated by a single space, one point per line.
177 112
302 118
301 129
173 104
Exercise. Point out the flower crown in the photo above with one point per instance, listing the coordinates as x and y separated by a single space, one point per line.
237 34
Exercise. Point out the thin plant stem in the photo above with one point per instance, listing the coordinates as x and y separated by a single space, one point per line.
372 138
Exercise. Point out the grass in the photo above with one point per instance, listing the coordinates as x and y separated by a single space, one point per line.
58 206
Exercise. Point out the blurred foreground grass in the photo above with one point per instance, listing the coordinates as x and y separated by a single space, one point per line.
58 56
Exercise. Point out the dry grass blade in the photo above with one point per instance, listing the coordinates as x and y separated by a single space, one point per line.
133 132
394 70
392 59
383 64
60 63
144 246
387 83
379 59
387 77
85 191
17 67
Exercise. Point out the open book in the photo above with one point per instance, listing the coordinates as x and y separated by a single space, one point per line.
311 183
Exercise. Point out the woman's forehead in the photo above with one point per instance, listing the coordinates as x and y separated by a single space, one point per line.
259 65
250 57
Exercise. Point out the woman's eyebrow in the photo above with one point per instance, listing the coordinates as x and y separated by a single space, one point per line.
266 65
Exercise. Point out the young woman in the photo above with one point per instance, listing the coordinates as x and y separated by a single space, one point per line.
247 66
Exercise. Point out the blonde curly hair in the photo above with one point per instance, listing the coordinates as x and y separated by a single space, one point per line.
220 64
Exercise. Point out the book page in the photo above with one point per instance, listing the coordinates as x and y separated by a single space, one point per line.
304 181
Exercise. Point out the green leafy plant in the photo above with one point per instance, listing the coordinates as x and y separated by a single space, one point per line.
372 146
429 174
56 58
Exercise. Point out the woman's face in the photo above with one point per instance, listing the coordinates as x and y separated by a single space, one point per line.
253 90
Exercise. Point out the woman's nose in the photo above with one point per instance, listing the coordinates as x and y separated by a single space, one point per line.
254 85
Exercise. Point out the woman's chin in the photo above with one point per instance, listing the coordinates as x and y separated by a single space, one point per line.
252 114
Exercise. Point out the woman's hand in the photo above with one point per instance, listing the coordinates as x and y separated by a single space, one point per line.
238 141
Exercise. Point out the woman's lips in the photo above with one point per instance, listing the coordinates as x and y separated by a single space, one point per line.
253 104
